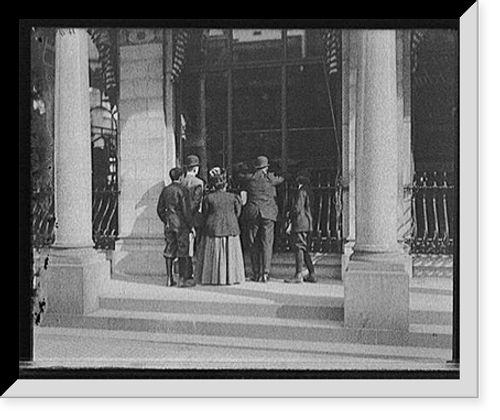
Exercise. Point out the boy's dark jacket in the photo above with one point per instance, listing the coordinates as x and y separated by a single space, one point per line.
172 207
301 210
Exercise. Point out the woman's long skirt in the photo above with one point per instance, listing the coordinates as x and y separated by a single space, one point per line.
220 261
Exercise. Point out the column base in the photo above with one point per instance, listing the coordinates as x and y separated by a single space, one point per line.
346 255
377 294
397 257
74 280
139 256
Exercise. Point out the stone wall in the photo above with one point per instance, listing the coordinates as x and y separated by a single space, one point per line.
146 151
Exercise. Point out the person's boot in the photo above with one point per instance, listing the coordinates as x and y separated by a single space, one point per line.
181 270
310 267
189 268
184 280
299 266
170 272
254 260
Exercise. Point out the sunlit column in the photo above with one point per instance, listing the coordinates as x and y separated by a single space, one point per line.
377 279
76 271
73 165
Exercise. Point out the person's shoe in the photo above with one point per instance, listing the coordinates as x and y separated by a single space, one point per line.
297 279
188 283
170 273
310 279
183 282
264 278
254 278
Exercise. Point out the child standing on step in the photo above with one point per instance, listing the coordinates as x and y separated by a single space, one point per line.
301 225
173 212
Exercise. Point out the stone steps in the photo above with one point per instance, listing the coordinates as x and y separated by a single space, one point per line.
262 328
286 313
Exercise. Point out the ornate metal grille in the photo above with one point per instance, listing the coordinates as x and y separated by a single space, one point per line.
433 213
104 137
42 217
104 174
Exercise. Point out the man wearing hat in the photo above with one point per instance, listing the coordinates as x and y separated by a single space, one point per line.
194 187
261 213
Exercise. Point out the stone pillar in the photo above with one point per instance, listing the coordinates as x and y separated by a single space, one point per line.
405 158
377 281
147 148
349 73
76 270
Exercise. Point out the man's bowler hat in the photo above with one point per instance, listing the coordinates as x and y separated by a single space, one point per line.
261 162
192 161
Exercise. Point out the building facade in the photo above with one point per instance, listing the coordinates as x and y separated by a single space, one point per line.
371 113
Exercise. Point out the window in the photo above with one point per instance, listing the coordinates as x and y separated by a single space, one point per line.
257 99
216 118
302 43
257 45
307 97
216 47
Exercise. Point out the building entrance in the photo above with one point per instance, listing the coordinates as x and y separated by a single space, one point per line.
246 93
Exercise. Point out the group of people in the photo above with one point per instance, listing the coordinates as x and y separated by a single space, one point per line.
202 225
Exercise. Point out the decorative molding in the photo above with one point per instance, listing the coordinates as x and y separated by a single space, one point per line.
141 36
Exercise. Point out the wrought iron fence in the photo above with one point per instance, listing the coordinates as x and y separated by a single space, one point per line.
105 217
433 213
104 130
327 213
43 219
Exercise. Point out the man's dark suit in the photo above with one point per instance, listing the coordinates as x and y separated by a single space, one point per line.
194 189
260 214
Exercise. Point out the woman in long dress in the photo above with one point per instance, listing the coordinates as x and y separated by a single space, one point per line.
221 256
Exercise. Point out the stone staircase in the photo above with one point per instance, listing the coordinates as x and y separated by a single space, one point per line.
293 317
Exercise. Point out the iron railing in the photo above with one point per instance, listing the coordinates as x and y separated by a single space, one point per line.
433 213
105 191
105 217
43 221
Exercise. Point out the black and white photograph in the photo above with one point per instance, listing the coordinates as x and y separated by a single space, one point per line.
249 200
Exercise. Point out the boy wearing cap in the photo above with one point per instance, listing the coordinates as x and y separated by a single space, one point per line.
301 225
173 212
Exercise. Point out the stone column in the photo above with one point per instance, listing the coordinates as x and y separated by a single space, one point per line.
405 158
147 148
349 73
377 281
76 270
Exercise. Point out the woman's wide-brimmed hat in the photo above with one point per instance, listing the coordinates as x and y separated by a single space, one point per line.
261 162
217 177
